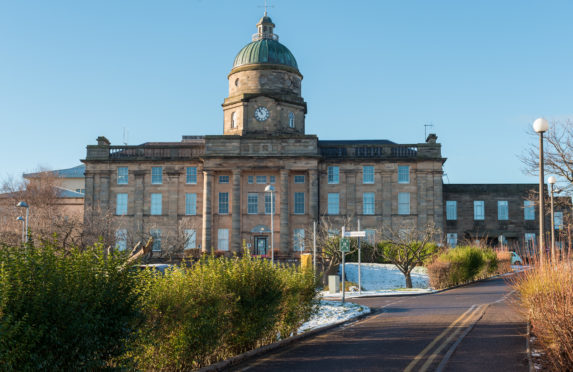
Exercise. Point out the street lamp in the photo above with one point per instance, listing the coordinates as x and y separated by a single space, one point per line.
541 126
23 204
552 181
271 189
20 218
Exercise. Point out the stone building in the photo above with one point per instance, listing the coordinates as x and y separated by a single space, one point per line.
212 188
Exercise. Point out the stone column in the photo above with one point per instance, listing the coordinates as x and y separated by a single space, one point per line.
284 214
89 196
138 200
236 212
104 191
207 210
313 192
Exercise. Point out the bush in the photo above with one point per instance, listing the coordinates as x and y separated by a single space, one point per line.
220 307
547 294
64 311
461 265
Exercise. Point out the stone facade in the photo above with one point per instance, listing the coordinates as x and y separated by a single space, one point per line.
263 143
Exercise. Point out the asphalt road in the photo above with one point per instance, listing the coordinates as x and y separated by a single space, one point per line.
477 327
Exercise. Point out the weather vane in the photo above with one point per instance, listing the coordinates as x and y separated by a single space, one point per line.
266 6
426 126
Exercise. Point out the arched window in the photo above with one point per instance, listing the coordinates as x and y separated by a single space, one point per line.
291 119
233 120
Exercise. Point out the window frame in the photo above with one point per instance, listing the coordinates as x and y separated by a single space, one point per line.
190 239
157 175
125 206
368 176
451 210
191 175
481 205
368 206
502 210
223 203
156 234
156 204
402 203
225 239
252 202
331 204
299 179
122 179
224 179
528 210
191 204
298 204
298 240
403 178
333 175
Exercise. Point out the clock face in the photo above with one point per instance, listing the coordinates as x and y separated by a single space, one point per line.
262 113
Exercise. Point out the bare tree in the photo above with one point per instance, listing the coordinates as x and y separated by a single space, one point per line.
557 151
407 247
175 242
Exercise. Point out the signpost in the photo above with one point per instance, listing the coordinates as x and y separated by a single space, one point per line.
344 247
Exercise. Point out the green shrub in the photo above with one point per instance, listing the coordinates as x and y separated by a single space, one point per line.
65 311
461 265
220 307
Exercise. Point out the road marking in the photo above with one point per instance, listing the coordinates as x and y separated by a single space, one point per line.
474 316
415 361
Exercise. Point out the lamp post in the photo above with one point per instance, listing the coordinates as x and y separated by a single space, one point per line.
541 126
552 181
23 204
21 219
271 189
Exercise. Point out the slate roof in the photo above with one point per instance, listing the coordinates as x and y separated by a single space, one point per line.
75 172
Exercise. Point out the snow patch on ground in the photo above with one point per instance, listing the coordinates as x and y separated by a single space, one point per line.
331 312
377 277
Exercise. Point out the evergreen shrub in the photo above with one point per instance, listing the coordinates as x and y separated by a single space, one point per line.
72 310
220 307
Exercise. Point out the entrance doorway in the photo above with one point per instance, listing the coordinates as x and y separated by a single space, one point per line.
260 245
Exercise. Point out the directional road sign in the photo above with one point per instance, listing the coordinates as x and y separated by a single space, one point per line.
355 234
345 245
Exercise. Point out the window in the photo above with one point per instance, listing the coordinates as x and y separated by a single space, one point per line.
122 176
190 239
291 119
156 204
451 210
452 239
403 174
223 241
268 203
403 203
261 179
299 203
81 191
558 220
530 240
368 203
121 239
156 175
191 204
332 175
223 203
121 204
156 235
528 210
234 120
298 240
368 174
252 203
223 179
502 210
191 175
272 179
370 236
479 212
299 178
251 180
333 203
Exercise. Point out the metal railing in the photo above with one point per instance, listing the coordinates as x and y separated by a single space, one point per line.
265 35
369 151
156 152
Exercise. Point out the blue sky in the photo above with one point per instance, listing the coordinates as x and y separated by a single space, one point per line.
480 72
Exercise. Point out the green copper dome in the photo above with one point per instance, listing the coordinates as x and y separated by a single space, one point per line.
265 51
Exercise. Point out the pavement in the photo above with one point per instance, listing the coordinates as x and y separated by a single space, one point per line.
470 328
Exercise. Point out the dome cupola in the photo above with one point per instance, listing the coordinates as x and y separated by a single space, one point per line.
265 48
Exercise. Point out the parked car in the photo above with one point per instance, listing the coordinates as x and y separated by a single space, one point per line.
155 267
515 259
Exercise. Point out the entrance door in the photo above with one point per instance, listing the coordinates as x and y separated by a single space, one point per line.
260 245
